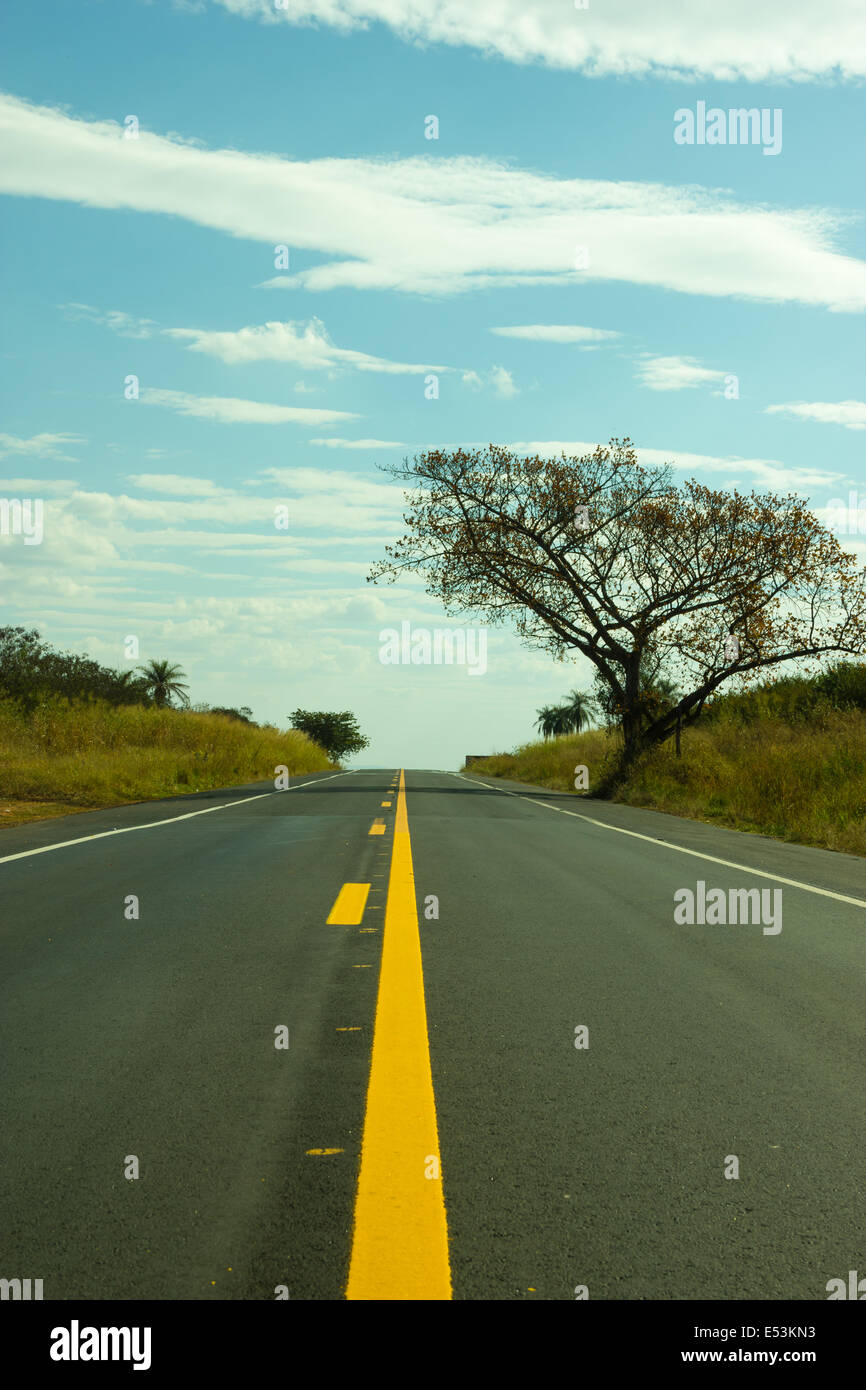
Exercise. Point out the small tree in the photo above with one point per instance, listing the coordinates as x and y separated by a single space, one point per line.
164 684
338 734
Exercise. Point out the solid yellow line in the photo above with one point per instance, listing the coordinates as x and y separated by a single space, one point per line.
400 1242
348 910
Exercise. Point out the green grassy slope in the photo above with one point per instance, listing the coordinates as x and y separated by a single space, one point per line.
793 780
84 754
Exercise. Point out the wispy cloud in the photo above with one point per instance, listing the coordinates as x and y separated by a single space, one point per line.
125 324
228 410
441 225
359 443
851 414
178 484
45 446
558 333
737 40
37 486
304 344
675 373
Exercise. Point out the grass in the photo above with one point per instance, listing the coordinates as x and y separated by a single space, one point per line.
79 755
799 781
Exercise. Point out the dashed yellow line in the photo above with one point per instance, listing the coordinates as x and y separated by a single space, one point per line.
348 910
400 1241
378 826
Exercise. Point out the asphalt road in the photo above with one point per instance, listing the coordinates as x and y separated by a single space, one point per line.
557 1167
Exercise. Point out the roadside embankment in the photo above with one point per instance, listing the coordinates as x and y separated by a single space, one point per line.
801 781
67 755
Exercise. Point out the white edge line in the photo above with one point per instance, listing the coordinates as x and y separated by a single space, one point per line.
680 849
169 820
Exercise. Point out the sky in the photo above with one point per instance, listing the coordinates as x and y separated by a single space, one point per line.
254 254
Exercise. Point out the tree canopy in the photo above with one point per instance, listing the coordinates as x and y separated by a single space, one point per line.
31 669
338 734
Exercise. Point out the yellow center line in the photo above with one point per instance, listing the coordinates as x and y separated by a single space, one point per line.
400 1241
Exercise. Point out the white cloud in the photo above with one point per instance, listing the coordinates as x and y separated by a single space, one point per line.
851 414
441 225
557 333
303 344
124 324
502 382
178 484
36 487
359 443
44 446
674 373
498 378
228 410
734 40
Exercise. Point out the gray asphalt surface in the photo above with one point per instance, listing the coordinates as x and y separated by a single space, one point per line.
603 1166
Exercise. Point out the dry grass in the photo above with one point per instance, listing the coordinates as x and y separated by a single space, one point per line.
81 755
804 782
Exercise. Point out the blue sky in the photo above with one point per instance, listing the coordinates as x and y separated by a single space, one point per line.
260 387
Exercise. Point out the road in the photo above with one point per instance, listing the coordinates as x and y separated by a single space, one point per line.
157 1142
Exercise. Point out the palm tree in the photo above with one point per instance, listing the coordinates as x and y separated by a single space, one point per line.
553 721
569 718
579 708
164 684
549 721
